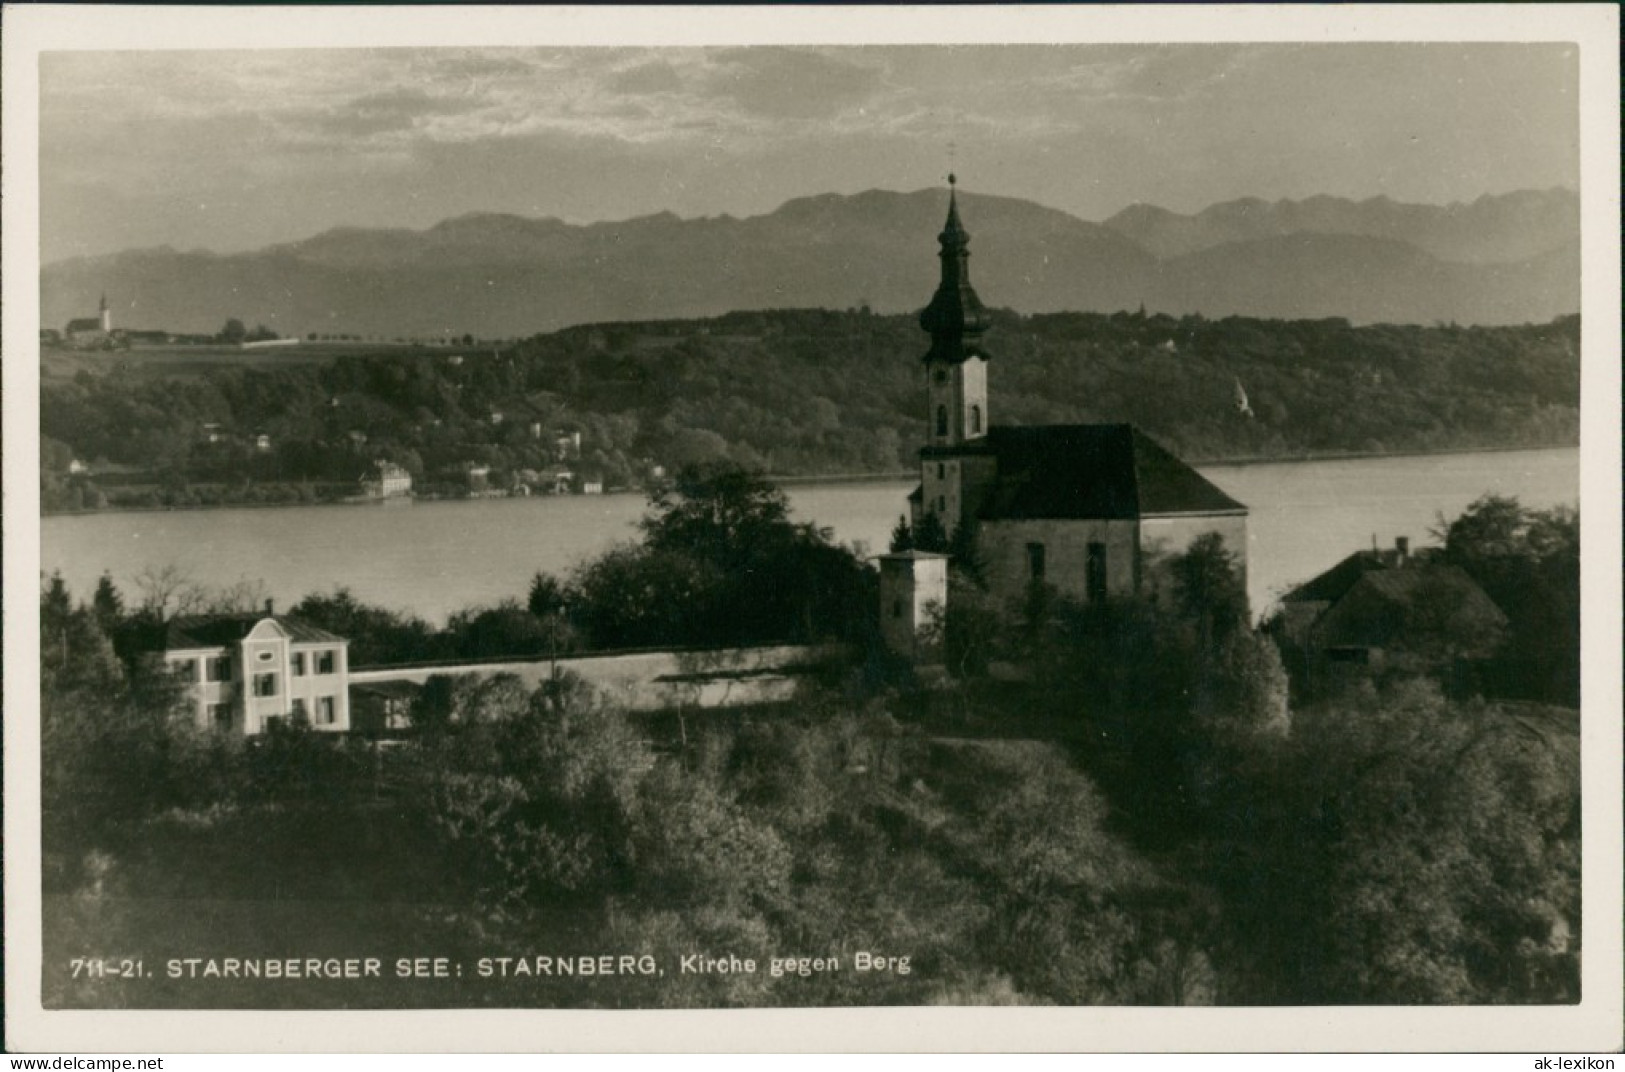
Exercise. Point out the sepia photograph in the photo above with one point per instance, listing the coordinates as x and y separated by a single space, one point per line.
1040 512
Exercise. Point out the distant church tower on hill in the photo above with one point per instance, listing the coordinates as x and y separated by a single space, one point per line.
91 331
1091 510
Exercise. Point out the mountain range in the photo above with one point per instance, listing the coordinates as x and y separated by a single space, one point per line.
1509 258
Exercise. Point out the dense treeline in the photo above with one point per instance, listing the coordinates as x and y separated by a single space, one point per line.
798 392
1108 803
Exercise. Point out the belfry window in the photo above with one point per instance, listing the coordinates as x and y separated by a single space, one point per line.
975 420
942 420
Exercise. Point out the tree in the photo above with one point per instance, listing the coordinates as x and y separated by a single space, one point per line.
1528 563
966 552
1383 865
718 512
969 627
168 592
233 332
377 636
1241 693
902 537
929 535
549 601
548 596
1208 589
532 798
107 604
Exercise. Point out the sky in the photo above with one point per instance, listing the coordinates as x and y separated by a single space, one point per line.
235 150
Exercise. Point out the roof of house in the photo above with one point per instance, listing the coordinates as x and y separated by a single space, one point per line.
1332 585
1107 471
214 631
1375 609
1404 585
85 323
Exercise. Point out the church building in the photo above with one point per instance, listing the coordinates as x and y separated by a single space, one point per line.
1087 509
90 331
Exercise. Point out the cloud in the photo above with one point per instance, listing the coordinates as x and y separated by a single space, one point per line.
392 110
655 77
786 83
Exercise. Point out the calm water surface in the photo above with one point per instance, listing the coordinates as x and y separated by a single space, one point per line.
433 558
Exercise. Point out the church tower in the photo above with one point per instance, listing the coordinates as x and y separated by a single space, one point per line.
106 314
954 465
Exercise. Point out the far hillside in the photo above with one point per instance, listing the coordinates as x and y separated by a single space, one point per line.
797 392
1503 259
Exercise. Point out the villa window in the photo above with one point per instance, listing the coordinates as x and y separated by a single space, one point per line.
186 668
219 668
301 714
298 664
264 684
324 662
326 711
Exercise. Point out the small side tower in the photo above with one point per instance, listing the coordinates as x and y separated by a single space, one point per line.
913 585
106 314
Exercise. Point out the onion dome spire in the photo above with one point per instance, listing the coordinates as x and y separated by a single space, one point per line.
955 318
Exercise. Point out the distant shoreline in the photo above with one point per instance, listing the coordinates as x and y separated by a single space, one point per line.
1203 463
802 480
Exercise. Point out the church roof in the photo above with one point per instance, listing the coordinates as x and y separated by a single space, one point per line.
1106 471
85 323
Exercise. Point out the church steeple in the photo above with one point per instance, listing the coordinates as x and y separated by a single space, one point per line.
955 318
105 314
956 364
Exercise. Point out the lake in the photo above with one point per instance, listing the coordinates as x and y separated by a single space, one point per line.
433 558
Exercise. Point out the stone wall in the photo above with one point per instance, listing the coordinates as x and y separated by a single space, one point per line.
651 681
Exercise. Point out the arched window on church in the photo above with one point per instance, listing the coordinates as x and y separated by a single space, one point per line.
976 420
942 420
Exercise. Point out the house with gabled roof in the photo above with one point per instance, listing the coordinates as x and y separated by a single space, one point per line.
1375 606
246 673
1089 510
